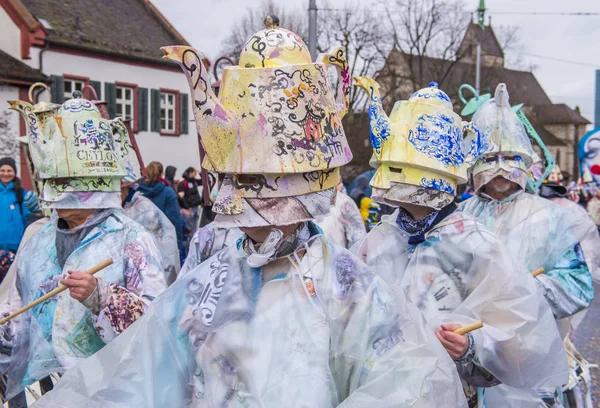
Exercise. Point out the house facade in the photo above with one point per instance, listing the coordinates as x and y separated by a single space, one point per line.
107 49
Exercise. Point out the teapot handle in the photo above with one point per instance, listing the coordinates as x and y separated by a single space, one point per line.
337 58
126 141
33 87
471 142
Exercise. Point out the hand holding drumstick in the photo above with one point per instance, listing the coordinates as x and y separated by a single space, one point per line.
80 288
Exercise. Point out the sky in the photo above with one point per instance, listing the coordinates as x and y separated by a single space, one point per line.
576 39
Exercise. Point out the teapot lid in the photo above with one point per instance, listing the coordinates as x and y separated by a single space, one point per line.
274 47
78 106
432 95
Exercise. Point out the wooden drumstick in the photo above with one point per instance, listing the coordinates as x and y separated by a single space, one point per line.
469 327
55 292
537 272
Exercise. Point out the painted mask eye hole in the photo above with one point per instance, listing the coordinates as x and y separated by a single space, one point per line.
247 179
490 159
395 170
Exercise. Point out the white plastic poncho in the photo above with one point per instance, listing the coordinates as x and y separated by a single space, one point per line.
58 333
590 243
206 242
343 225
320 331
541 234
144 212
462 273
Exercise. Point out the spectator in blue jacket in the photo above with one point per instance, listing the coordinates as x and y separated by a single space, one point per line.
164 198
15 205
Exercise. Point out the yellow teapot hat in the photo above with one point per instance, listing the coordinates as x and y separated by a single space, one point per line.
74 150
275 129
420 151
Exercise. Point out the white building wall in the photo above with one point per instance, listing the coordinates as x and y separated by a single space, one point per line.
179 151
10 36
9 135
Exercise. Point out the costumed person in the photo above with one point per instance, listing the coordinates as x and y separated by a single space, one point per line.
553 190
288 319
206 242
144 212
589 183
344 224
449 265
165 199
78 158
537 232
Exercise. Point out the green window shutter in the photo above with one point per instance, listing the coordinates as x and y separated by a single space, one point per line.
111 99
155 111
184 120
97 85
143 109
58 90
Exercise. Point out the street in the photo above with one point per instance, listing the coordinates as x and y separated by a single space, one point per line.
587 341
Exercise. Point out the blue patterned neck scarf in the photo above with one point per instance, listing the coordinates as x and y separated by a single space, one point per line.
418 229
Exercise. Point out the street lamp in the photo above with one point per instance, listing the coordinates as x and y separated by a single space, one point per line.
312 28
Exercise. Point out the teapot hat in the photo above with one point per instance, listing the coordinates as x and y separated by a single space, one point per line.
79 156
275 130
419 150
505 147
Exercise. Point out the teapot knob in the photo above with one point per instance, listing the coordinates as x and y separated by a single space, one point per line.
271 22
77 94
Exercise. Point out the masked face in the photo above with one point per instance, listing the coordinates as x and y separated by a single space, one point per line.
590 155
507 166
500 184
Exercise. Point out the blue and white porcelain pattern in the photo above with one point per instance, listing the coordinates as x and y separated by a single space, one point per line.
437 184
379 129
439 137
433 93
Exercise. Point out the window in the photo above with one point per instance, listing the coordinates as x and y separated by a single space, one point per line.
125 102
167 112
72 85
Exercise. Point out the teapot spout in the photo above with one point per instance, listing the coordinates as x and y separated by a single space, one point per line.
26 110
219 128
379 122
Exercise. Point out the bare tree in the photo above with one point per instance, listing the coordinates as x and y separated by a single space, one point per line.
253 21
421 30
508 36
360 31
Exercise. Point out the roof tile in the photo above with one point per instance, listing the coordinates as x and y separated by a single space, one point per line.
125 28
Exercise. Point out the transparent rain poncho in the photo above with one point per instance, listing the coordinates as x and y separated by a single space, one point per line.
314 329
590 243
462 273
144 212
541 234
206 242
58 333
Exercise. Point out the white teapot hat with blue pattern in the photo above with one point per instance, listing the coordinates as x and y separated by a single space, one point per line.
419 150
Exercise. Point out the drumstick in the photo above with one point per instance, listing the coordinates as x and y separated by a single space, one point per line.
537 272
469 327
55 292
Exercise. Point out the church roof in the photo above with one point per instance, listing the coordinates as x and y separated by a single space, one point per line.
489 42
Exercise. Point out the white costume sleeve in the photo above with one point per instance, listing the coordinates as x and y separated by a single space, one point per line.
462 273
